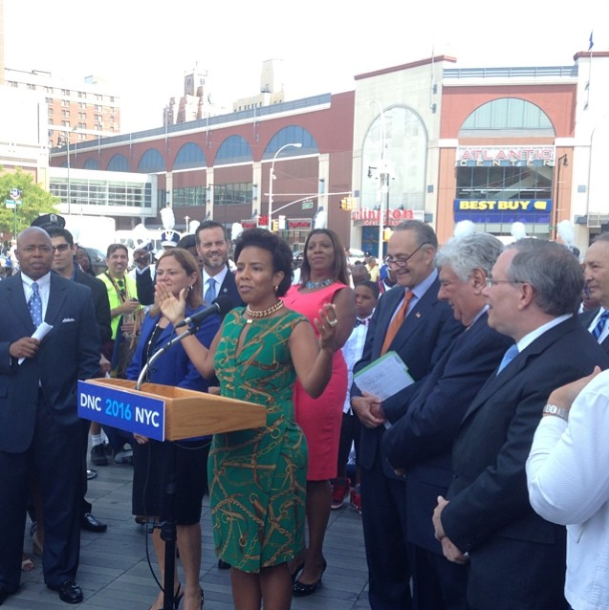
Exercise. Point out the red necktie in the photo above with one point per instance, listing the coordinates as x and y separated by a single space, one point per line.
397 321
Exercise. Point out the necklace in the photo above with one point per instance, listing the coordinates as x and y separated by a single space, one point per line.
263 313
321 284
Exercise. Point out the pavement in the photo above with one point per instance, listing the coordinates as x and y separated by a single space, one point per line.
114 572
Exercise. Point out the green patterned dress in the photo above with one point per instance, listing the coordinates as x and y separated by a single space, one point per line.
258 477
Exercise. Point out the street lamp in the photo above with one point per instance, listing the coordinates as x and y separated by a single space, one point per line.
384 177
272 177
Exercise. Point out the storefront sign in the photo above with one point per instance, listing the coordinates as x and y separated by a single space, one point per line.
504 211
505 156
365 217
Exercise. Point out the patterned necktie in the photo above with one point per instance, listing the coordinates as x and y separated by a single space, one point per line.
397 321
210 293
597 331
511 353
35 306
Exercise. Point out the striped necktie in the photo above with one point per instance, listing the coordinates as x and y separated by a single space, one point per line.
597 331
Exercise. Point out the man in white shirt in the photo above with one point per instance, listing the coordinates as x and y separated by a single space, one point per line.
568 483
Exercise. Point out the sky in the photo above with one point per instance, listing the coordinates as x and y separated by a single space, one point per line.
143 49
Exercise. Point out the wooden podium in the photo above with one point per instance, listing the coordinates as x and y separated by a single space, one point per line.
188 413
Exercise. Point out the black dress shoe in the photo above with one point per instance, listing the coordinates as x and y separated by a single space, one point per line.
69 592
223 565
91 474
91 524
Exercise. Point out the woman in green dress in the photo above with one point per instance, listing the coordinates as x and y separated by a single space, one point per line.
258 477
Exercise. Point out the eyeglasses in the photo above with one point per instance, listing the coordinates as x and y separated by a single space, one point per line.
402 261
61 248
490 282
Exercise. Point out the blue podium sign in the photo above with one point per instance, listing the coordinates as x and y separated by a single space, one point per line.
124 410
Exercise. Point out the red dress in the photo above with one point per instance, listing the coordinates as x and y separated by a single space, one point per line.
320 418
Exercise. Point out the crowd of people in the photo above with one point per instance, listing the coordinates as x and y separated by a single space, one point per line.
479 477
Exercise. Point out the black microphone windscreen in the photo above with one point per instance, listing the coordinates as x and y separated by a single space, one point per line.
224 303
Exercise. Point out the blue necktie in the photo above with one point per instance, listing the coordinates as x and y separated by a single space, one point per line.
35 306
361 323
511 353
597 331
210 293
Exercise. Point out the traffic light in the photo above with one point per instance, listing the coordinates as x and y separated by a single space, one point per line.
275 227
387 232
346 203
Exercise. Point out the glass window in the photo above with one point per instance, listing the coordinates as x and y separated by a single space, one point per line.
234 149
291 135
118 163
507 114
190 155
151 161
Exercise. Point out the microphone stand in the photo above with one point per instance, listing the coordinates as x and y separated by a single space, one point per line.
169 532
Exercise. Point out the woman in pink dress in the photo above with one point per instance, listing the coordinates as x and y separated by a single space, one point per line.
323 279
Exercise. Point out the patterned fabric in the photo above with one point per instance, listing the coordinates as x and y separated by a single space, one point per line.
258 477
35 305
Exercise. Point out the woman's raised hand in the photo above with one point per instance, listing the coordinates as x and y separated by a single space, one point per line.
326 325
173 309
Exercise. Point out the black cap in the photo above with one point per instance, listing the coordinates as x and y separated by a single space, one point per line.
49 220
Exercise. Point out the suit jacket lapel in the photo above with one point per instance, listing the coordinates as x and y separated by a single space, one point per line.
495 382
16 298
417 315
57 297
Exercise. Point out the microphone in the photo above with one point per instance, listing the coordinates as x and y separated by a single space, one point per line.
221 306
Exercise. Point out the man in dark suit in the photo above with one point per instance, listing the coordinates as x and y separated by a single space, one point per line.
517 559
411 321
64 250
39 426
596 275
218 279
419 444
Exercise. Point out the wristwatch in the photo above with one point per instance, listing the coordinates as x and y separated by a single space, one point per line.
558 411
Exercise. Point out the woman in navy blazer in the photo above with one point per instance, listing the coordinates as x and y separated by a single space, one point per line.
155 462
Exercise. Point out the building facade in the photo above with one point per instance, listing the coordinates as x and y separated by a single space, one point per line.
424 140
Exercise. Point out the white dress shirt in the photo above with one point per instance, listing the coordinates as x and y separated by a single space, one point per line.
568 481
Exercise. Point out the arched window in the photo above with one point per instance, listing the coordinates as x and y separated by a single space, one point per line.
291 134
234 149
189 156
152 161
507 116
91 163
118 163
395 174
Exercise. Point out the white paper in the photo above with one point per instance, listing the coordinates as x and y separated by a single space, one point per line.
40 333
384 377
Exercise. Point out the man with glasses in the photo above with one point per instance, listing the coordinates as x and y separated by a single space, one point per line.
419 444
516 558
411 321
64 250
